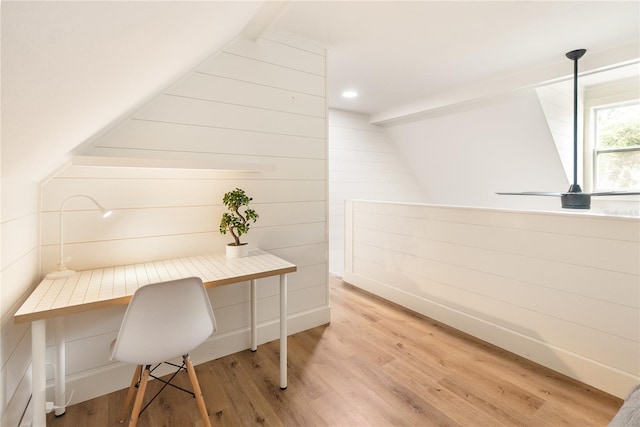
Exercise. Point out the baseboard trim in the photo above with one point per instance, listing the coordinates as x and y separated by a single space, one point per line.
588 371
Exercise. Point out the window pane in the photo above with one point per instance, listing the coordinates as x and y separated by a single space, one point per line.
618 171
618 126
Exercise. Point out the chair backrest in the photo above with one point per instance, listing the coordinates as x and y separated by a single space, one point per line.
164 321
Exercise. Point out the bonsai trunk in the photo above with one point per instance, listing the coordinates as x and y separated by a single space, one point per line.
244 221
235 238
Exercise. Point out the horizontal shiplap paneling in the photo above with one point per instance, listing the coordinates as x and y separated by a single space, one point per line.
19 273
259 103
363 164
231 91
575 224
537 284
256 71
19 278
159 193
16 355
197 112
134 223
284 55
19 237
543 245
126 251
138 134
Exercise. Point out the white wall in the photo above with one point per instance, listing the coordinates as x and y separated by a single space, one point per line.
560 289
556 101
19 272
464 155
363 164
257 104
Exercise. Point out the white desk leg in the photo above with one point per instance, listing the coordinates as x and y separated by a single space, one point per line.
60 373
283 331
254 317
38 374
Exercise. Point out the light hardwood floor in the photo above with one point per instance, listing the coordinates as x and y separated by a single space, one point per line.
376 364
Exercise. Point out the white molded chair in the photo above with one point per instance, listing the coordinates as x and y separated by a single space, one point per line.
163 321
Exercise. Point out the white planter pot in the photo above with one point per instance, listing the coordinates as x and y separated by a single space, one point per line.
237 251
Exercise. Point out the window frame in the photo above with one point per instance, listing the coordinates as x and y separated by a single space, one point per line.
607 95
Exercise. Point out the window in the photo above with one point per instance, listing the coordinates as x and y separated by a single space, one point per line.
612 130
616 150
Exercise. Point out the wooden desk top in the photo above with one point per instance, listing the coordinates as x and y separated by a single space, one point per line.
104 287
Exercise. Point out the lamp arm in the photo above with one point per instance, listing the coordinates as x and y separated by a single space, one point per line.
95 202
105 212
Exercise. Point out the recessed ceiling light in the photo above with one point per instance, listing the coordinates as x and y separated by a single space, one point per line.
349 94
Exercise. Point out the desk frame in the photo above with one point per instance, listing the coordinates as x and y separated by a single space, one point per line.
54 299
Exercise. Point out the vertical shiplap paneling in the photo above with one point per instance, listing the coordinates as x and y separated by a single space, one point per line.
256 103
363 164
558 288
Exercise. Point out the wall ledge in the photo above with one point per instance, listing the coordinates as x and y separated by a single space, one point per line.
164 163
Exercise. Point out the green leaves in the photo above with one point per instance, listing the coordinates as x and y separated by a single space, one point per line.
618 126
235 221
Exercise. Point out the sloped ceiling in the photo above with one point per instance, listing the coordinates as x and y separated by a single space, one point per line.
70 69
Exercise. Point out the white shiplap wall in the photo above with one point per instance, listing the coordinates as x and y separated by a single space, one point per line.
257 104
19 256
363 164
561 289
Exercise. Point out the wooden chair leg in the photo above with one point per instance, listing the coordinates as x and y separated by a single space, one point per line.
196 390
132 388
135 412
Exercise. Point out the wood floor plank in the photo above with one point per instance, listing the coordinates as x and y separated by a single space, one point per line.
376 364
333 412
441 398
249 404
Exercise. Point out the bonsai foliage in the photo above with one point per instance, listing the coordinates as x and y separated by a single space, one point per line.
235 221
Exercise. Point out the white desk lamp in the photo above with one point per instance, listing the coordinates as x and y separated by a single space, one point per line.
62 271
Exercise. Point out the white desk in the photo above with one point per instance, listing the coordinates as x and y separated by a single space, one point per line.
106 287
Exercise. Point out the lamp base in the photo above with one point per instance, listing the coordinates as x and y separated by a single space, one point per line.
60 274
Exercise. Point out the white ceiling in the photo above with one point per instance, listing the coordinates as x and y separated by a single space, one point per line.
70 69
405 53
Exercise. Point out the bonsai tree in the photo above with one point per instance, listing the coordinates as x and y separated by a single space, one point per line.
234 221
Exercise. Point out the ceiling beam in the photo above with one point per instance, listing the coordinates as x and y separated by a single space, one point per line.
592 63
